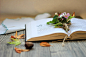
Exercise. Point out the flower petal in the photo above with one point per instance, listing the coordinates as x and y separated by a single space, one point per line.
67 15
62 14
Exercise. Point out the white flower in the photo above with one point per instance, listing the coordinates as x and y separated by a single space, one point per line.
64 13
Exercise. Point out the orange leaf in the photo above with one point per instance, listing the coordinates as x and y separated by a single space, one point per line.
45 44
73 14
12 37
20 36
15 34
25 50
17 50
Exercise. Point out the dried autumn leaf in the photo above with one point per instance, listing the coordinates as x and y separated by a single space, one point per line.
18 50
73 14
18 36
45 44
25 50
15 34
15 41
12 37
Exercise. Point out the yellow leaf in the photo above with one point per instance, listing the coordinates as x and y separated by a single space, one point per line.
15 35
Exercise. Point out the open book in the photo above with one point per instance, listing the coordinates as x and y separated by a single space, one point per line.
39 30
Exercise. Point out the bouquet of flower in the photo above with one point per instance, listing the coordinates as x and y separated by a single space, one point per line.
62 20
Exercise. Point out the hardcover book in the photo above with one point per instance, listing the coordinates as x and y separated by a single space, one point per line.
39 30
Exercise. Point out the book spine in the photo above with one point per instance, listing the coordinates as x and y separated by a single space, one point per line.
25 32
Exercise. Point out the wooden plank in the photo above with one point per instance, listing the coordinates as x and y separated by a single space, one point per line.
38 51
22 46
75 48
82 48
2 37
5 37
58 51
43 51
1 50
22 53
71 49
14 52
7 48
19 46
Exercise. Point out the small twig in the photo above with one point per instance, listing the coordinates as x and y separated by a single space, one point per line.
64 40
66 35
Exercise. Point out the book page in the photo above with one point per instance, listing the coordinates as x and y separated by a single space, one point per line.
77 25
40 28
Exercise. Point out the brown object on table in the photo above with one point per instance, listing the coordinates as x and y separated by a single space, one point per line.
29 45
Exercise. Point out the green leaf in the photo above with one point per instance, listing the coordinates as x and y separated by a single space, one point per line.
48 22
15 42
68 21
56 27
56 16
70 17
55 19
57 24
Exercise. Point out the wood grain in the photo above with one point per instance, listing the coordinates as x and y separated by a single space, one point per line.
71 48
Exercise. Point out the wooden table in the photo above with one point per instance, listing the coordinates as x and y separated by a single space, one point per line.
71 48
